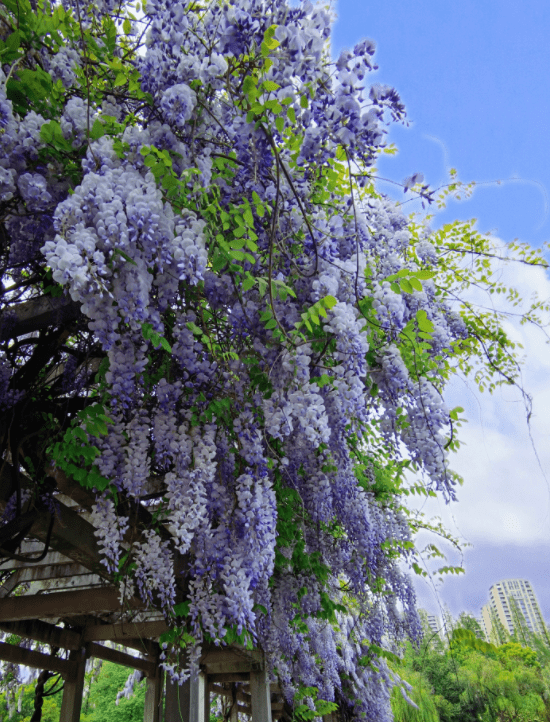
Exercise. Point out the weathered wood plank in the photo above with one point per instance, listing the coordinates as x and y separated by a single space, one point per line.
64 604
86 581
18 655
229 667
71 535
122 632
44 632
37 573
35 548
226 692
223 677
126 660
36 314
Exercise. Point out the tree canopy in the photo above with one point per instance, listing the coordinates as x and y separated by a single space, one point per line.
202 286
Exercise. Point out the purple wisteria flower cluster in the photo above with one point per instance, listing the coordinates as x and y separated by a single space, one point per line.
252 344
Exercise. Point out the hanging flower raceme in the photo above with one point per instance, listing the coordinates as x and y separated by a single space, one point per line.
242 295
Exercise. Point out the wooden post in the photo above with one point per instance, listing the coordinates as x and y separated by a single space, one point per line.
206 699
74 687
176 701
233 714
153 696
197 699
185 703
261 696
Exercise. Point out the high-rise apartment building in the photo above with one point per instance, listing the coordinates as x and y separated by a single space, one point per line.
434 623
435 629
500 608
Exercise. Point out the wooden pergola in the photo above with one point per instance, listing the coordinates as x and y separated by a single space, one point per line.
71 603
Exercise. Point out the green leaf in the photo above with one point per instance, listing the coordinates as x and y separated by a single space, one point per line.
405 285
424 323
120 79
127 26
13 41
415 283
182 609
304 102
270 85
249 84
165 345
248 283
291 115
280 124
98 130
328 301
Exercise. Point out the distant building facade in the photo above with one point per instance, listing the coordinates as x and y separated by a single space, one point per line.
505 598
435 624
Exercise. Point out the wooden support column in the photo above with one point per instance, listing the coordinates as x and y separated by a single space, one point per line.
153 695
176 703
233 714
74 687
261 696
206 701
185 703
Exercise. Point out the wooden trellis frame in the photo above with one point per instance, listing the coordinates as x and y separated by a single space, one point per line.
70 586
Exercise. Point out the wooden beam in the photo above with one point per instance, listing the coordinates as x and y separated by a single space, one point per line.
86 581
64 604
71 535
35 548
225 692
229 677
122 632
36 314
44 632
37 573
126 660
18 655
9 585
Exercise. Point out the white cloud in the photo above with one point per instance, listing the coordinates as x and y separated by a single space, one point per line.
505 464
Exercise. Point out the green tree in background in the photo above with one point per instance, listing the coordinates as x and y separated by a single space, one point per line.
462 678
101 704
468 621
507 689
421 695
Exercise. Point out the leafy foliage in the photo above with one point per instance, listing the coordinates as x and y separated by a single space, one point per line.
236 311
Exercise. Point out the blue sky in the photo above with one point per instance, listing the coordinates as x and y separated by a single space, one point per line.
474 77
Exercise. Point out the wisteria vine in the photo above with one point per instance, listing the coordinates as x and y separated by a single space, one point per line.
257 326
